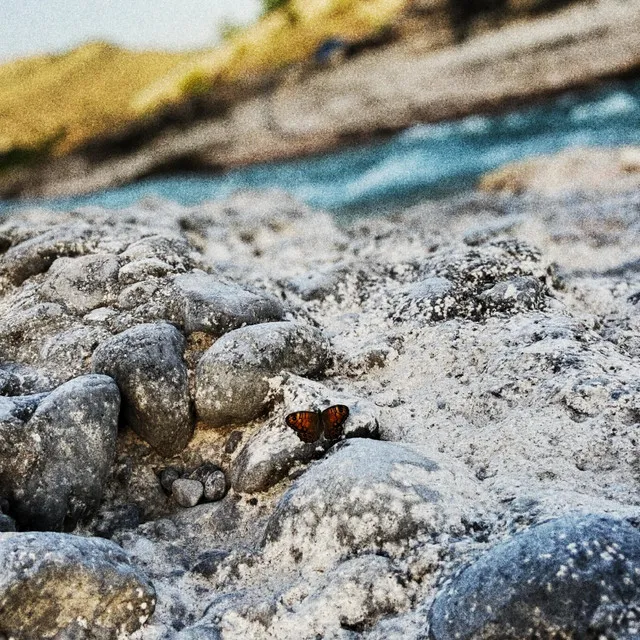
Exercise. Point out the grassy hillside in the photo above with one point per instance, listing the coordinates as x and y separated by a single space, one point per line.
52 104
55 102
283 36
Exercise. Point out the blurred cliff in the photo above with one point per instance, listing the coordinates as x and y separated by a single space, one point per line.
311 75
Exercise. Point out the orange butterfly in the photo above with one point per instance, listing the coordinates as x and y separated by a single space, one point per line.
309 425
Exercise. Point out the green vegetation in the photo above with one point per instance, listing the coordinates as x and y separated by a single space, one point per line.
272 5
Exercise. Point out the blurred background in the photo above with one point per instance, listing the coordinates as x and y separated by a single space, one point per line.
357 106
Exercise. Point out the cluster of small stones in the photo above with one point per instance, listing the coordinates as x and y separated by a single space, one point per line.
148 358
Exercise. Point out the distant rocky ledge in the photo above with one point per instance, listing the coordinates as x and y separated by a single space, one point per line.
368 96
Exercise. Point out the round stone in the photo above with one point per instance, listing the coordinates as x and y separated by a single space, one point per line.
187 493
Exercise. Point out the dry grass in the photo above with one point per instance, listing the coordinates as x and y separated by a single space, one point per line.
60 101
280 38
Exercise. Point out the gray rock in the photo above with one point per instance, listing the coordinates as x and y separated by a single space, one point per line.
174 251
120 518
100 315
26 328
68 354
147 364
57 585
187 493
375 590
137 294
216 307
318 284
213 480
481 234
516 294
142 269
232 378
370 495
572 577
168 476
6 523
82 284
435 298
275 450
36 254
23 380
269 456
353 595
143 489
55 459
430 289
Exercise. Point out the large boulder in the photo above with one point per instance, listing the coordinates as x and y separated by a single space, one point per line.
147 363
574 577
36 254
56 451
84 283
61 586
371 495
232 378
216 307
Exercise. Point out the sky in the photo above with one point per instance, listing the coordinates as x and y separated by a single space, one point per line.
29 27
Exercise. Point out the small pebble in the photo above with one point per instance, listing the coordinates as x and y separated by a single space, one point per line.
213 479
187 493
233 441
168 476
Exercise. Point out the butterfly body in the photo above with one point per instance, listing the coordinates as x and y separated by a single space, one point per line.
310 425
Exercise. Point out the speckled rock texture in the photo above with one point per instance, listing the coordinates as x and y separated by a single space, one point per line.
56 451
371 496
216 307
147 364
232 378
487 347
577 576
62 586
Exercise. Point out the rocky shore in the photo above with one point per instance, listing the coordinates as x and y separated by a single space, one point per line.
486 485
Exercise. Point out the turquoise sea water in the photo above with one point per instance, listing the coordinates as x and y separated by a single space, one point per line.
425 161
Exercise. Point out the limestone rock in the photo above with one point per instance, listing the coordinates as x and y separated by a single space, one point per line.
213 480
187 493
83 284
58 585
370 495
232 378
56 451
36 254
216 307
576 576
146 362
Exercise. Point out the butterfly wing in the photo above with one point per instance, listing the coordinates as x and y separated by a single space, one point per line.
333 418
306 424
